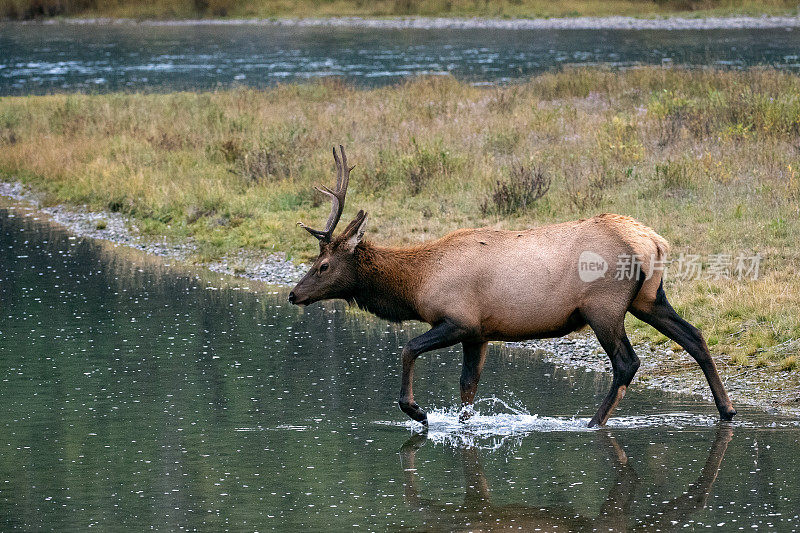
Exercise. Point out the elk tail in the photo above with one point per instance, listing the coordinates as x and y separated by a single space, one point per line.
653 256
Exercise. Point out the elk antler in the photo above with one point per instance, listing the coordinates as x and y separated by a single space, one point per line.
337 197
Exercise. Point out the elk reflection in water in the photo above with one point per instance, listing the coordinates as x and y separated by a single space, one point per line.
478 512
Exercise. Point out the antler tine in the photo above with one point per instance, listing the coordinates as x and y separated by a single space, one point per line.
337 207
337 197
345 170
338 167
321 235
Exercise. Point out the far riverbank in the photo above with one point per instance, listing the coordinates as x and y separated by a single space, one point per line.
427 23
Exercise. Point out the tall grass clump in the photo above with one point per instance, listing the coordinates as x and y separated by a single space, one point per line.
427 163
769 111
423 163
274 156
674 175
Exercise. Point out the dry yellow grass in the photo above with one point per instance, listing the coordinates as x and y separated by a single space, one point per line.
709 159
387 8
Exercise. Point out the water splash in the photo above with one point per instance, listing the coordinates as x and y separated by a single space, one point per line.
497 422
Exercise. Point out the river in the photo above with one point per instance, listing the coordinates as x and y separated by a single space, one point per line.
42 58
136 394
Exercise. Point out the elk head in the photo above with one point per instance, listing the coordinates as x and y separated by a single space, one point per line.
333 273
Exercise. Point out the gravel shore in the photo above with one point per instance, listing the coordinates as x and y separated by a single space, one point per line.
662 369
119 229
441 23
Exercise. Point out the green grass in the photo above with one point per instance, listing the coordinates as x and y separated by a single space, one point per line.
707 158
386 8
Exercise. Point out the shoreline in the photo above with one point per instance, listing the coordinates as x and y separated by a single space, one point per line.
668 23
662 369
116 228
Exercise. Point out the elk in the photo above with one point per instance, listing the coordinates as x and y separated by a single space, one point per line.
479 285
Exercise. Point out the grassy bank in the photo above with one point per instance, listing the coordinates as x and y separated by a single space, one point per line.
709 159
161 9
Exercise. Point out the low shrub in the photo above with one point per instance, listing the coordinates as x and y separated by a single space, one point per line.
522 188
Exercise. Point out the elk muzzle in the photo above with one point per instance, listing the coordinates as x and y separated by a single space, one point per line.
300 299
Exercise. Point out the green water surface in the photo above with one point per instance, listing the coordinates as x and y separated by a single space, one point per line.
135 395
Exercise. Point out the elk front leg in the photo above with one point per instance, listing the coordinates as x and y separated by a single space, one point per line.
624 364
474 358
442 335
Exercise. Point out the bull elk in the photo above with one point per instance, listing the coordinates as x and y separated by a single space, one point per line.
479 285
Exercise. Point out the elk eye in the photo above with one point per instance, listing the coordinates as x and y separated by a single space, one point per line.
323 267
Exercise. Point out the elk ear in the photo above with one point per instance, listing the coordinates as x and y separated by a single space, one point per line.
354 233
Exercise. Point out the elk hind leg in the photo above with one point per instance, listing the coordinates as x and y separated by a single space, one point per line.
660 314
474 358
624 364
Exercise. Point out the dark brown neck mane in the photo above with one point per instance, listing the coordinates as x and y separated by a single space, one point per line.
388 279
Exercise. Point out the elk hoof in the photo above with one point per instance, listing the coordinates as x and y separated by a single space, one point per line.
594 422
466 413
413 410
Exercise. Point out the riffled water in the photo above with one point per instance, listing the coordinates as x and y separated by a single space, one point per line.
138 395
40 58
